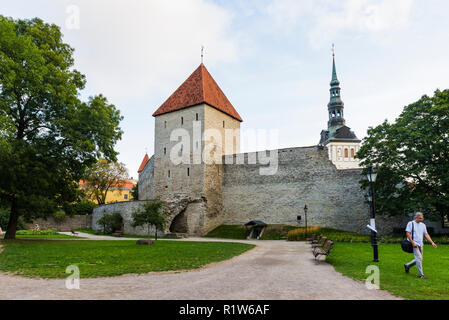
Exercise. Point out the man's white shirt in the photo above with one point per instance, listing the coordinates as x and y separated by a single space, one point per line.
419 230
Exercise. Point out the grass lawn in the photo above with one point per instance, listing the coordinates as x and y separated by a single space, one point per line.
49 259
132 236
272 232
42 234
351 259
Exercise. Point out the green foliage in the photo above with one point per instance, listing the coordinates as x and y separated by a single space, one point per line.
59 216
332 234
49 259
135 192
102 176
48 136
412 157
111 222
352 259
83 207
151 215
228 232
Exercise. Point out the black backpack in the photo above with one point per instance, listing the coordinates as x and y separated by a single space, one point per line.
407 245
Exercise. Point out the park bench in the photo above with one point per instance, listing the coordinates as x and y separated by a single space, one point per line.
312 238
317 239
117 233
320 244
65 229
317 252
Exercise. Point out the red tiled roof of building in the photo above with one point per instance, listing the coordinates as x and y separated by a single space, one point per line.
199 88
126 185
144 163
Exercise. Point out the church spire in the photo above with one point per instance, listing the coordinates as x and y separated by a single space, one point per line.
336 105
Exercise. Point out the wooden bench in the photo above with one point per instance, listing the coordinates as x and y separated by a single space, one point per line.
117 233
316 240
317 252
320 244
65 229
312 238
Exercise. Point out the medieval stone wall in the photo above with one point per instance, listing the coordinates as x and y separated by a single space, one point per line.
75 222
304 176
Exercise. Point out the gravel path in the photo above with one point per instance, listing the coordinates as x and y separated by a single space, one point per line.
272 270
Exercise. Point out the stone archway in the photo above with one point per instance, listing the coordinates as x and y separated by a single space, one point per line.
179 223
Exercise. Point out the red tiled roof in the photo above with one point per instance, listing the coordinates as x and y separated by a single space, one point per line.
199 88
144 163
127 184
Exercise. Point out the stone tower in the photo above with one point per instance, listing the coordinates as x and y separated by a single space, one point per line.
194 128
341 142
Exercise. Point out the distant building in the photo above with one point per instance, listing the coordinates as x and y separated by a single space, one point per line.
115 194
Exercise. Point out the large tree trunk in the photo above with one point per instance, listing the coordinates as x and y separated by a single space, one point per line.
13 219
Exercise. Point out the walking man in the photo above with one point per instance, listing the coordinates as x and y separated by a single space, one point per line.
419 232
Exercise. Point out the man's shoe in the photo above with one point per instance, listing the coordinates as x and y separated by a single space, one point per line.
406 268
423 277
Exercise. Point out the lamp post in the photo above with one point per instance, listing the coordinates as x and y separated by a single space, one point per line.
305 213
372 175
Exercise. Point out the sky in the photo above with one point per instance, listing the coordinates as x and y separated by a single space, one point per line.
272 58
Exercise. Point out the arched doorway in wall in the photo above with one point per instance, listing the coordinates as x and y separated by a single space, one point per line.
179 223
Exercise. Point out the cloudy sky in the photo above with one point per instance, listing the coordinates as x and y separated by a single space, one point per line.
272 58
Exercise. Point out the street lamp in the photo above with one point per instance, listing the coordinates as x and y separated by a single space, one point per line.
372 175
305 213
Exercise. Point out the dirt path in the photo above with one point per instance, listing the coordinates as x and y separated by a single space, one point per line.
272 270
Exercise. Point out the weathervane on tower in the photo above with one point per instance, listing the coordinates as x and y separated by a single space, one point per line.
202 54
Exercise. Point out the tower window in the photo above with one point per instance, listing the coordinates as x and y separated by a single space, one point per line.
188 172
165 150
346 153
182 120
223 124
196 117
165 124
352 153
169 173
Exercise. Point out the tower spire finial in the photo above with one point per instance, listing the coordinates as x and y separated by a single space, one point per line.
333 50
202 54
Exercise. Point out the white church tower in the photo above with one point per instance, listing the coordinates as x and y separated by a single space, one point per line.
341 142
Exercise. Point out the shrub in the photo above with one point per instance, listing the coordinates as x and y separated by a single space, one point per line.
331 234
59 216
300 233
111 222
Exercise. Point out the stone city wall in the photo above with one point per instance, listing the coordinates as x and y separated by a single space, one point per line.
304 176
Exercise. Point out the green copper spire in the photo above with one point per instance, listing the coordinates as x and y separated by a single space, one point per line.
336 105
334 81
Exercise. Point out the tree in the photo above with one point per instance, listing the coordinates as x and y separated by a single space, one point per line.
59 216
135 192
412 157
150 216
103 176
48 136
